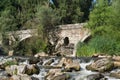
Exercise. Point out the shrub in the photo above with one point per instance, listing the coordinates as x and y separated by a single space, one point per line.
99 44
84 50
30 46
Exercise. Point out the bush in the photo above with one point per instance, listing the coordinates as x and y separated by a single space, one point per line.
30 46
99 44
84 50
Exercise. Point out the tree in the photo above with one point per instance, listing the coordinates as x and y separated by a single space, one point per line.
116 16
85 6
47 18
72 11
68 11
100 16
7 16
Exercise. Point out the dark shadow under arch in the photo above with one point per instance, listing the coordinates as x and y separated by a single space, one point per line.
66 41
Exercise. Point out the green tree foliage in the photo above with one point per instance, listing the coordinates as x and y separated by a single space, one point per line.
72 11
7 16
17 15
104 24
47 18
100 17
116 17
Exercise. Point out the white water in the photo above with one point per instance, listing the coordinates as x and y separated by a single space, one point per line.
80 75
41 75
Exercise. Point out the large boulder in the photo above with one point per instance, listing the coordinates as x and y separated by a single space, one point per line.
48 62
96 77
12 70
69 64
72 66
116 58
115 74
33 60
101 65
116 64
64 61
7 62
32 69
22 69
116 61
56 74
61 76
21 77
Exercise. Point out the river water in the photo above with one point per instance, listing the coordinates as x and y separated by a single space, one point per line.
75 75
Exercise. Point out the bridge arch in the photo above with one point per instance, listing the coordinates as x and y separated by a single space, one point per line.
66 41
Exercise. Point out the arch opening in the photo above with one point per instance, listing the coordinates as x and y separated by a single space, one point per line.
66 41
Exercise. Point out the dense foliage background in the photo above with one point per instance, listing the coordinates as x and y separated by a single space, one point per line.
102 17
104 22
43 15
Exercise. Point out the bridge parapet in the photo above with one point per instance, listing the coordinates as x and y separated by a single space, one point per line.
71 26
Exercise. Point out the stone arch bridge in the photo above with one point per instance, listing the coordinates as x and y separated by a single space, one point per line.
21 35
71 34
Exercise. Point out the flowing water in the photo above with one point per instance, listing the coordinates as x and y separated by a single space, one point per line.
75 75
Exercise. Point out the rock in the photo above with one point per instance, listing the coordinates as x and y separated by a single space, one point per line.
42 54
101 55
116 58
22 69
95 77
101 65
64 61
115 74
51 73
4 78
61 77
72 66
33 60
116 64
32 69
69 64
15 77
56 74
25 77
48 62
7 62
10 53
21 77
11 70
34 78
15 69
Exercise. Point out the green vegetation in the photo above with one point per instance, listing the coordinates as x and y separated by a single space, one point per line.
9 63
103 20
105 26
41 15
72 11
